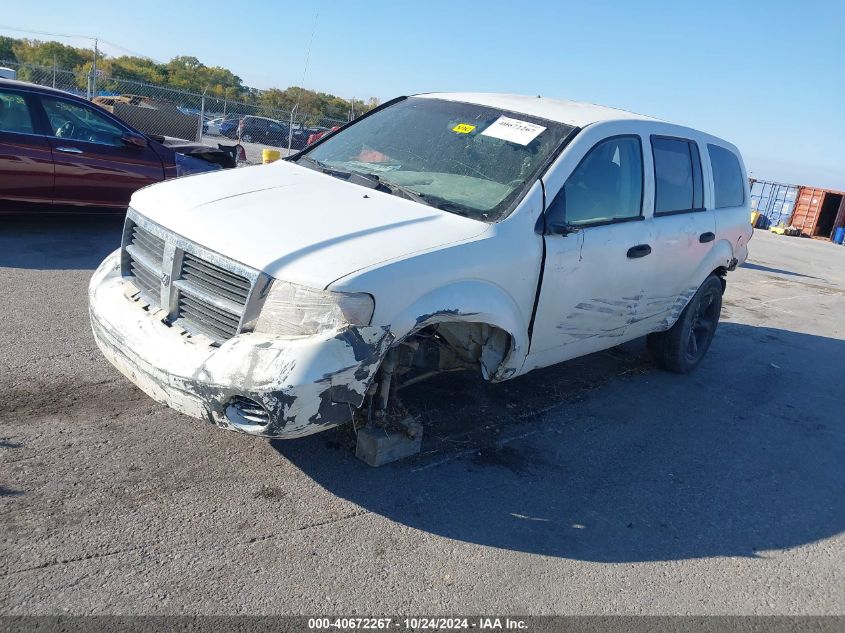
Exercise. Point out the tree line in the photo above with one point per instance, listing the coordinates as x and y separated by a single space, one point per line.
183 72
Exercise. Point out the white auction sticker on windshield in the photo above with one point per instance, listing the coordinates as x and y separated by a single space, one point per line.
513 130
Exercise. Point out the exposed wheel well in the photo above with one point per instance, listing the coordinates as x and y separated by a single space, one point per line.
435 348
451 345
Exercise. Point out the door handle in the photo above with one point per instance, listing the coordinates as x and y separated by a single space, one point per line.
69 150
707 237
640 250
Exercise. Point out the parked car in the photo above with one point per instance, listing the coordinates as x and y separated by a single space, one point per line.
58 152
319 133
267 131
443 231
229 124
212 126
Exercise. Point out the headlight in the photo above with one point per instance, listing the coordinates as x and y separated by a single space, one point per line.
292 310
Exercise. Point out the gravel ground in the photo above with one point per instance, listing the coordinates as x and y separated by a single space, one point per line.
600 486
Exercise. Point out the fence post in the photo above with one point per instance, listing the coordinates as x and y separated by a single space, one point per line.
290 127
202 115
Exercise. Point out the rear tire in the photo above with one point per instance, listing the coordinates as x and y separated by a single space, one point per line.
681 348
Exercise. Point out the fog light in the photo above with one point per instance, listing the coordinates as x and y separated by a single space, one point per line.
246 413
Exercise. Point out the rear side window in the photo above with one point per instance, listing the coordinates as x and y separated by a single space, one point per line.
727 177
14 114
679 187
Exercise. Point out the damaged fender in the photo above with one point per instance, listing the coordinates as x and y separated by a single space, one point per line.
472 302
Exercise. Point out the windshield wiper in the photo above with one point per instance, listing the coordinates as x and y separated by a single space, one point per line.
326 169
397 189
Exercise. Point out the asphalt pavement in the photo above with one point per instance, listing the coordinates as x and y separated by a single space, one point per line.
603 485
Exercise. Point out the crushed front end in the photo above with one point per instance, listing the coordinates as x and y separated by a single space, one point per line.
180 322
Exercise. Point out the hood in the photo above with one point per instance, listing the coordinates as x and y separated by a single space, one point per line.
298 224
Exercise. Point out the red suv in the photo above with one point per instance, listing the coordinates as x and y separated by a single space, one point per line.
60 152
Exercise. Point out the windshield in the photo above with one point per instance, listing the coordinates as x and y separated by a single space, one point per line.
468 159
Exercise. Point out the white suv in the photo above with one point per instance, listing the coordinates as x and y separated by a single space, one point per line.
441 231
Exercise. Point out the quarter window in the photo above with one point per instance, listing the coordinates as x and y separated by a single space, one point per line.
679 187
74 121
14 114
727 177
606 186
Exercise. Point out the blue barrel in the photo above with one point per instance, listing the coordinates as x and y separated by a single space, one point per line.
839 235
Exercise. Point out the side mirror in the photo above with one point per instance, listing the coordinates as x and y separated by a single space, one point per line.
561 228
555 222
134 140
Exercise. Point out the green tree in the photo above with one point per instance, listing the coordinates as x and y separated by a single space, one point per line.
7 52
135 69
40 53
184 72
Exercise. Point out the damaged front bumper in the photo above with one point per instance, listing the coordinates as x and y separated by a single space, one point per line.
253 383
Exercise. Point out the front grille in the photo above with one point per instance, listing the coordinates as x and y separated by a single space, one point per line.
203 292
211 298
195 314
145 253
214 279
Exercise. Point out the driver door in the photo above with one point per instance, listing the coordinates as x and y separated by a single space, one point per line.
93 166
598 246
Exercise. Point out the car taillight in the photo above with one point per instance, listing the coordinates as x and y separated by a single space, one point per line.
241 153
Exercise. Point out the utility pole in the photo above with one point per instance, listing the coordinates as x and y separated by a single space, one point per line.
352 109
54 71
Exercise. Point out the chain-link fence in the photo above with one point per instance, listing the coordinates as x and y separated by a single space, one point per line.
159 110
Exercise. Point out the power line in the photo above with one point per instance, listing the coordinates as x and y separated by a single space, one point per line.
33 32
84 37
307 58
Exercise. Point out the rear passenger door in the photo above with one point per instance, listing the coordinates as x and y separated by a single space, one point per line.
26 163
684 229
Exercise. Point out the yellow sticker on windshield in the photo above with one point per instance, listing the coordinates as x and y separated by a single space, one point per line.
463 128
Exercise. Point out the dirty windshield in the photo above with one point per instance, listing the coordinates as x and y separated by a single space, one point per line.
467 159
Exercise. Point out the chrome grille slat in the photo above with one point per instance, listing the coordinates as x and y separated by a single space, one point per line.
142 258
195 327
194 316
154 246
214 270
147 282
213 285
218 301
199 307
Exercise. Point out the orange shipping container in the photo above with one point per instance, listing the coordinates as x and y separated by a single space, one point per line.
818 211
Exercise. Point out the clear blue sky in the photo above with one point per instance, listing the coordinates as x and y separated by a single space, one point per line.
768 76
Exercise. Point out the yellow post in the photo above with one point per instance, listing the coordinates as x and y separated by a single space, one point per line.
270 155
